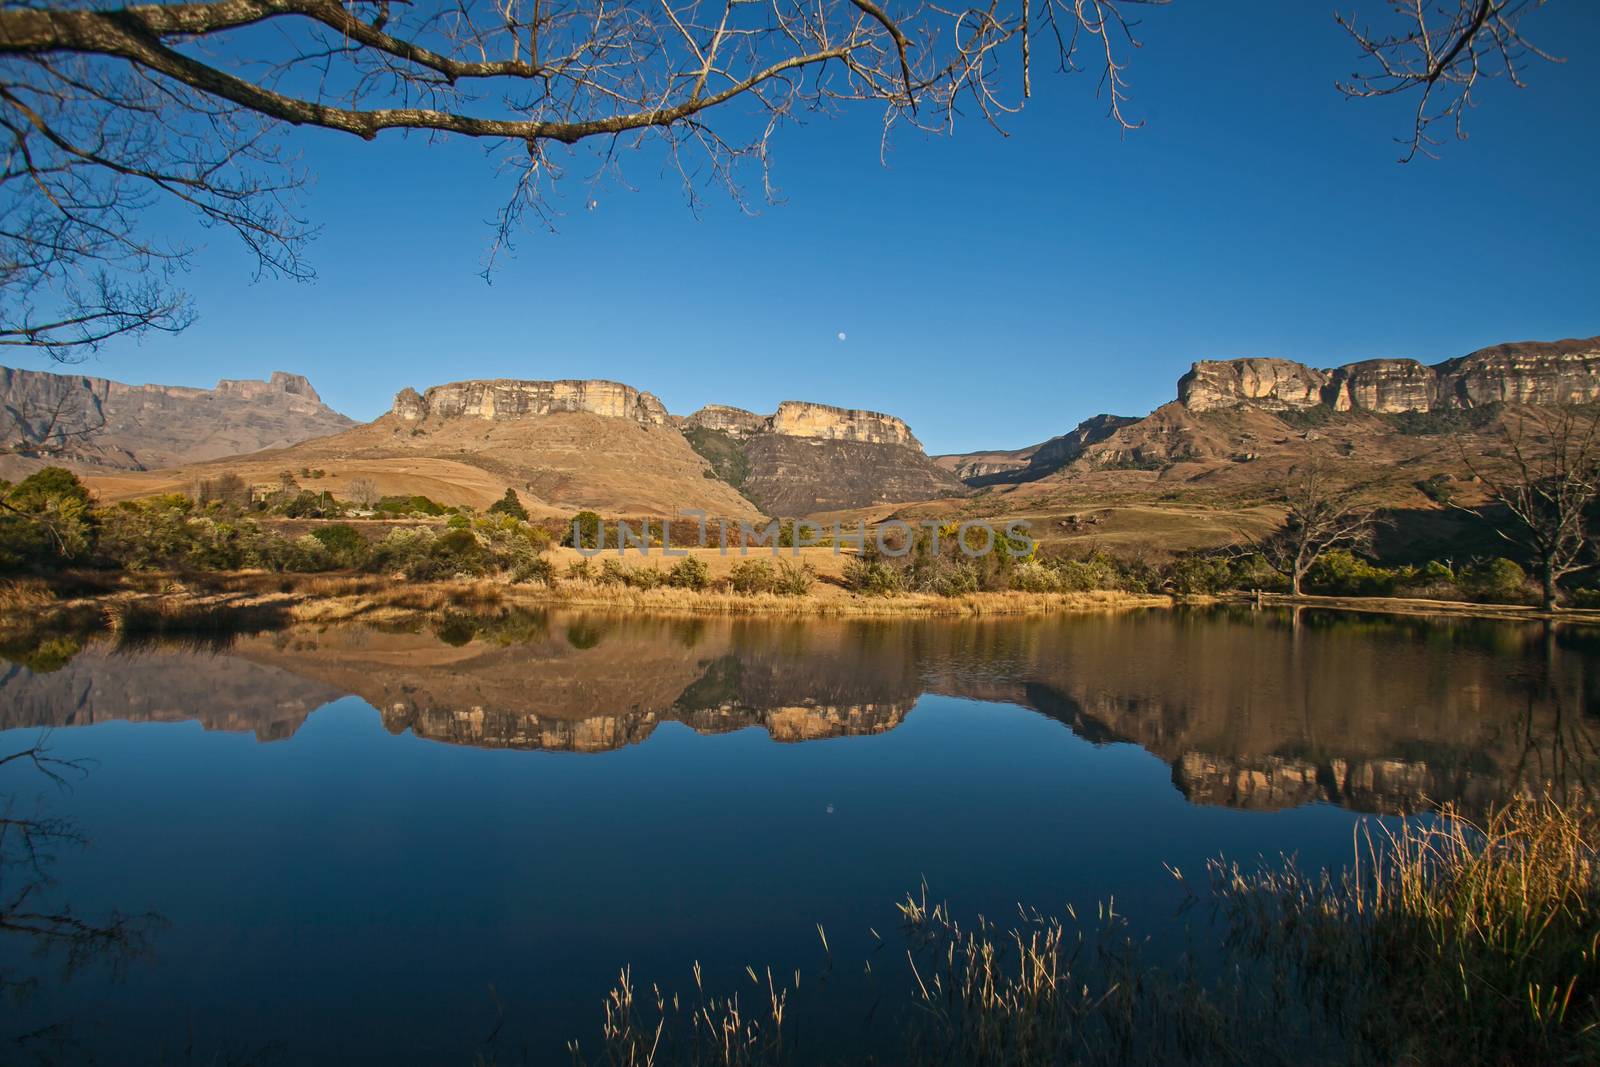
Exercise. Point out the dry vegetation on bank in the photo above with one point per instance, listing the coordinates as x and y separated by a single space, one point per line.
1447 944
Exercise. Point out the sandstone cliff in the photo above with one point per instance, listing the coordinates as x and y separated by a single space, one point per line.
145 427
800 418
807 458
505 398
1527 372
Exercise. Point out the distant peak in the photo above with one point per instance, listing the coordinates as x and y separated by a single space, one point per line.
294 383
281 382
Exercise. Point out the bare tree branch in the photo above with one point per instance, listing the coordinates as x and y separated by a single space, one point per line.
106 110
1442 51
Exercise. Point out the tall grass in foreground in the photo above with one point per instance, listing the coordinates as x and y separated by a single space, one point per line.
1446 943
1451 942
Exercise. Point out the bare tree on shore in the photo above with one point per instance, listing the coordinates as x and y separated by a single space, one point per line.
107 110
1545 477
364 492
1324 513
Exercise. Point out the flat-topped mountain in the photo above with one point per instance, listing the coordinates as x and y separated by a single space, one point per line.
504 398
1244 415
806 458
799 418
98 423
602 445
1523 372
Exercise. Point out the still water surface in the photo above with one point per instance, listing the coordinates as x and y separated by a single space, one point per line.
423 846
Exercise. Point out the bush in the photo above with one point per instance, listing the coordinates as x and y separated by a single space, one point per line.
305 554
1199 575
689 573
422 556
587 527
408 505
344 543
750 576
794 579
47 519
872 577
511 505
1341 573
1495 581
537 570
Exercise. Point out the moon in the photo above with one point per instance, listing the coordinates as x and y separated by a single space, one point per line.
841 335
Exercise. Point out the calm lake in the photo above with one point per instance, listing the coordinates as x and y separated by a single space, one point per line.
428 845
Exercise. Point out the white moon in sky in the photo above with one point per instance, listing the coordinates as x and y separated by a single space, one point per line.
841 335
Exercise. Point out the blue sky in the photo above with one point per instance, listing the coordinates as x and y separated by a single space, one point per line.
994 291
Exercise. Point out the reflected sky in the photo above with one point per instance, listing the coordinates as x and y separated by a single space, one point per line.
390 846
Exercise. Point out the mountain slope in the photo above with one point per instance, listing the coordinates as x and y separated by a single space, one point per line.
94 423
808 458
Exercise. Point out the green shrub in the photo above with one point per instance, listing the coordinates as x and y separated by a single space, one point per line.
1495 581
751 576
408 505
794 579
612 572
583 531
1341 573
47 520
1200 575
344 543
511 505
872 577
458 521
305 554
689 573
539 571
422 556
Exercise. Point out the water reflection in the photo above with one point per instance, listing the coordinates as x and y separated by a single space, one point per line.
1250 709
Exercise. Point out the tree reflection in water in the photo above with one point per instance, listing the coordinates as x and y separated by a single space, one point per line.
36 913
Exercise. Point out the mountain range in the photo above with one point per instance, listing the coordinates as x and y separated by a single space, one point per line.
1234 430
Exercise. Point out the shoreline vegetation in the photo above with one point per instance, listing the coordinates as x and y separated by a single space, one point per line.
1445 942
186 560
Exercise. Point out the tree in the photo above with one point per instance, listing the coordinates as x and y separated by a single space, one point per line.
1545 478
45 518
586 530
510 504
364 492
1322 515
109 109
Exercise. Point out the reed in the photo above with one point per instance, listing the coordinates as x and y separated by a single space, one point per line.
1447 943
1450 941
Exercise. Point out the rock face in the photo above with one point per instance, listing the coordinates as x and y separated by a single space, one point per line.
506 398
795 418
800 418
1527 372
807 458
145 427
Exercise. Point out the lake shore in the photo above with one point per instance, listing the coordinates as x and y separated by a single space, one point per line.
262 599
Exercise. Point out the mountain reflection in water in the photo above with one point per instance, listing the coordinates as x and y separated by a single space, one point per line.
1250 709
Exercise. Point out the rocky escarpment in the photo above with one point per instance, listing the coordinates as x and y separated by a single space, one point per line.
1528 372
96 422
799 418
806 458
507 398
